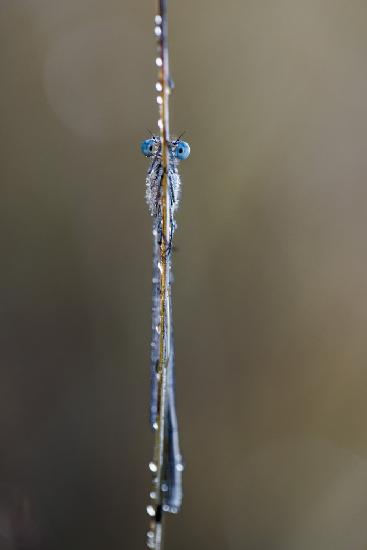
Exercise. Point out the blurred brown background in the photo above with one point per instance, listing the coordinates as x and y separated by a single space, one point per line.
271 273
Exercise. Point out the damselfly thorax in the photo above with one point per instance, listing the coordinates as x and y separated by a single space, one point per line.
177 150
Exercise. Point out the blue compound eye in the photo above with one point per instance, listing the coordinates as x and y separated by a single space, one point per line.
147 147
182 150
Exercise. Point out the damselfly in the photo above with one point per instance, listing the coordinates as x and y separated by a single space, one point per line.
166 494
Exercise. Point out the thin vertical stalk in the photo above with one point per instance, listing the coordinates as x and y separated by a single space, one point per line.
156 527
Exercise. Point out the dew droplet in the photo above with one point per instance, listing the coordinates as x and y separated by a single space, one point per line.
158 87
152 495
159 62
164 487
180 467
158 19
153 467
150 510
155 428
160 123
157 31
159 100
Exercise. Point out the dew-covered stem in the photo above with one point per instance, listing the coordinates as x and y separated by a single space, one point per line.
155 534
163 190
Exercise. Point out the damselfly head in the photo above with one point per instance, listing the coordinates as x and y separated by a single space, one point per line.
179 149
